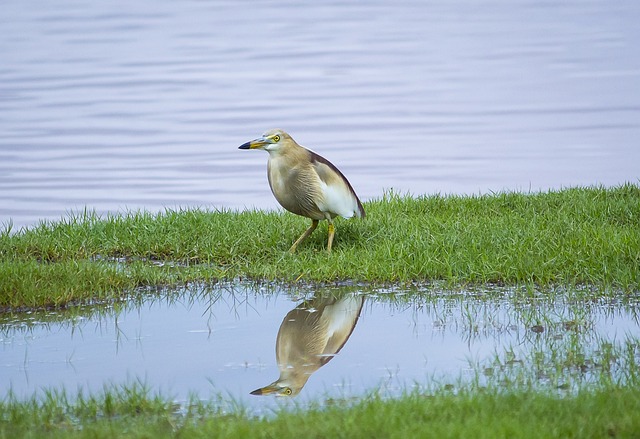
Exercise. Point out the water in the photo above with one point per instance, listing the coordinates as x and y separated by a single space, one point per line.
222 341
118 106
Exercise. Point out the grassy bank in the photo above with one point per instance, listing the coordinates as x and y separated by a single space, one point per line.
568 237
588 237
611 411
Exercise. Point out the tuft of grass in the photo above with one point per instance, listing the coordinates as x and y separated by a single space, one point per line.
569 237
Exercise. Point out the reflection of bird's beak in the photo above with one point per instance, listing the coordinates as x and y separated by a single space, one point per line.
271 388
255 144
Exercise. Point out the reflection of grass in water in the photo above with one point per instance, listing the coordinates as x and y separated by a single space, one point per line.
494 310
565 365
477 311
557 345
542 324
546 384
235 296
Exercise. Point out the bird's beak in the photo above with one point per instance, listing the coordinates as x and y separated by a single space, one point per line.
278 388
268 390
258 143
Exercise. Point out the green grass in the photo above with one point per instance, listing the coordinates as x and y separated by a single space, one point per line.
570 237
587 238
133 412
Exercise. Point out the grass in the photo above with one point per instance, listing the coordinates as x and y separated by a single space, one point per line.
133 412
584 238
568 237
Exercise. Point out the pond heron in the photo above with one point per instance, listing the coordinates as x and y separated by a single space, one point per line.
309 337
306 183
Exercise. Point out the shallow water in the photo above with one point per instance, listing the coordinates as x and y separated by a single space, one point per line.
117 105
222 341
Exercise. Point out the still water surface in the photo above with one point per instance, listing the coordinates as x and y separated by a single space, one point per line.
222 341
122 106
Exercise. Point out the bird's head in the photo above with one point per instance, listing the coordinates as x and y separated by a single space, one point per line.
271 141
278 388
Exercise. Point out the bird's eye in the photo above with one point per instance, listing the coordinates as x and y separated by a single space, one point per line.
276 138
287 391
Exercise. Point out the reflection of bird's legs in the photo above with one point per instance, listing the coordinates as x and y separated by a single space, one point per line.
332 231
305 235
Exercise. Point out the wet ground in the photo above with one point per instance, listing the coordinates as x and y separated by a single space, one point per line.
338 342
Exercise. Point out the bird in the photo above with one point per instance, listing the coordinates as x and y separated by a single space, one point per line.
309 337
305 183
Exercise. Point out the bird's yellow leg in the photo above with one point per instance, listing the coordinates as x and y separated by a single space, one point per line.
332 231
304 236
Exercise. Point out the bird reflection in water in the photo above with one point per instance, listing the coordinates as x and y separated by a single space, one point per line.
309 337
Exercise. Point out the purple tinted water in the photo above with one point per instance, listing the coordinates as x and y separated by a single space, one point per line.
118 106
